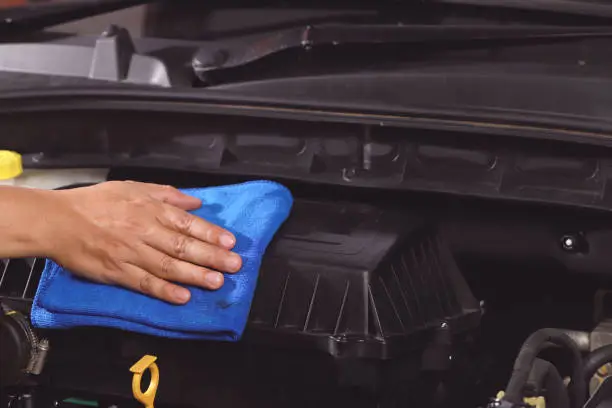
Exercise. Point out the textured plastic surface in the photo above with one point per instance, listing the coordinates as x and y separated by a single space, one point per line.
18 280
354 280
252 211
382 157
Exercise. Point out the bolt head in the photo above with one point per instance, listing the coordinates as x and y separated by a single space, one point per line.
574 242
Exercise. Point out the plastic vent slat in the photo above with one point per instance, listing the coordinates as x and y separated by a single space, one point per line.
407 285
15 278
279 309
311 304
4 267
341 311
402 291
33 278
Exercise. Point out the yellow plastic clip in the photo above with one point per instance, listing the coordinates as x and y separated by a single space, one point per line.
148 397
535 402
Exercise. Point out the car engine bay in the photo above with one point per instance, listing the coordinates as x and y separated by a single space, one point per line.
364 299
410 272
451 239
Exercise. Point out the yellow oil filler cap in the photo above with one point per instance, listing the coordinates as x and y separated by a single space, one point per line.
10 165
147 397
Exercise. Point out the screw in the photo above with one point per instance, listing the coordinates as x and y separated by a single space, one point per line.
208 60
574 242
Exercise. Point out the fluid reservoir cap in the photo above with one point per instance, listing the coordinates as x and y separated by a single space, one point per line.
10 165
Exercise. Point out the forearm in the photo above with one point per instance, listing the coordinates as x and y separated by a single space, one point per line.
26 217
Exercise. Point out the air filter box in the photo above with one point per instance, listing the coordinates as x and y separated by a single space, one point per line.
357 281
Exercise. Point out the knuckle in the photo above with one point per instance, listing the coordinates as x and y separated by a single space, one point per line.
166 267
169 188
146 284
184 223
165 192
110 254
108 276
111 268
179 245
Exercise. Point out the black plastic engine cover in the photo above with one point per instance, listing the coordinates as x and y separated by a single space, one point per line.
354 280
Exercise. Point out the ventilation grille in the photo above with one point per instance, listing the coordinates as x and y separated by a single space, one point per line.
19 278
355 280
415 290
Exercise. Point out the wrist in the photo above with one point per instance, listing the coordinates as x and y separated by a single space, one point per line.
24 222
52 222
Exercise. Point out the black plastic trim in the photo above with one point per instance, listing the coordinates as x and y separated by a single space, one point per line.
536 125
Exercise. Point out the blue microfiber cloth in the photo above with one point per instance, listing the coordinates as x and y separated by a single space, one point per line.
252 211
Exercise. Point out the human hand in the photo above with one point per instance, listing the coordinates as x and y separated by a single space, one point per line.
139 236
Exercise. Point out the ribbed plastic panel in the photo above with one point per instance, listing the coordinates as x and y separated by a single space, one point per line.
354 280
19 278
345 279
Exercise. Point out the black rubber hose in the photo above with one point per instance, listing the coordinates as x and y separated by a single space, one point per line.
534 344
545 375
596 359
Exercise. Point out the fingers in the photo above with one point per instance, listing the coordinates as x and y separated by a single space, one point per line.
185 223
191 250
175 270
137 279
196 227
